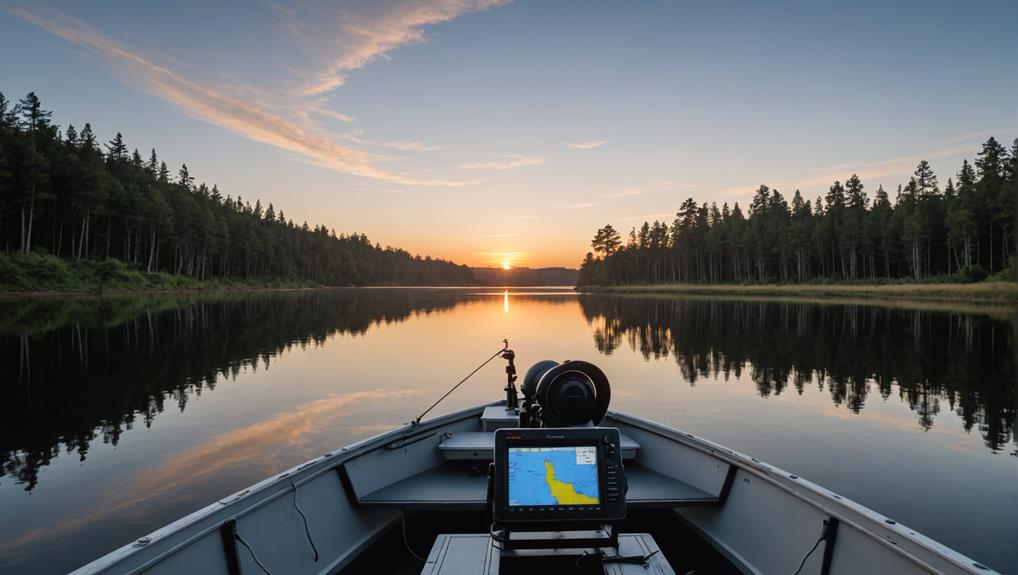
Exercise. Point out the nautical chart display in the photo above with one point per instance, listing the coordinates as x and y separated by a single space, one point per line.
549 476
558 474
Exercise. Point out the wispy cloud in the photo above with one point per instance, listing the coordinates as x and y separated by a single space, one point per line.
517 217
651 218
900 166
870 172
505 162
236 108
388 191
646 188
585 145
501 235
348 36
499 257
578 205
405 146
332 114
996 132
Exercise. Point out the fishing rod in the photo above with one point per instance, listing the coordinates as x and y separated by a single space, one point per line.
512 400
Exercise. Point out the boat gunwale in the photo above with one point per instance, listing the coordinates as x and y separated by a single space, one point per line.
306 471
866 520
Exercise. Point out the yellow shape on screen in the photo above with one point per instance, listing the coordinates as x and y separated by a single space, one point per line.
564 492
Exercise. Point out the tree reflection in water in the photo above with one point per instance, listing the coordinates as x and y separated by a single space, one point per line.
928 358
81 369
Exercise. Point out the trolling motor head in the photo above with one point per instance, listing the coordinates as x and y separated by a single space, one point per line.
567 394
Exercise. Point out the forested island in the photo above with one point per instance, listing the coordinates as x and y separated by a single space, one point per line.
921 233
77 214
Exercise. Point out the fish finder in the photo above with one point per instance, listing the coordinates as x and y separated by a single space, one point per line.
558 474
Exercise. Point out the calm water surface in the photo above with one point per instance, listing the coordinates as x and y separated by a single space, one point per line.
122 415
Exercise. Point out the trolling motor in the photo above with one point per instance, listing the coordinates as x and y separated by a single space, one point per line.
568 394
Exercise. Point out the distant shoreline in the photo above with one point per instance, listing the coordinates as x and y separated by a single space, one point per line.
993 292
984 292
245 289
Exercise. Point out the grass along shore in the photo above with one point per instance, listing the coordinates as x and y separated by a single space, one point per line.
987 292
40 274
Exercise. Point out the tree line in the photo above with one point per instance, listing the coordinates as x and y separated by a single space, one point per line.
967 228
64 194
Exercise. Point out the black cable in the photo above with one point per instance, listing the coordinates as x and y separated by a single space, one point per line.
823 536
402 520
603 559
307 530
497 536
497 353
255 557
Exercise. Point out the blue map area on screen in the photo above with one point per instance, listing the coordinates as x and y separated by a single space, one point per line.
553 476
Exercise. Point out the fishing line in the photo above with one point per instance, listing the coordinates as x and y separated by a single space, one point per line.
462 381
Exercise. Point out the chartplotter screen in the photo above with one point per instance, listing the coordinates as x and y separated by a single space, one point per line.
547 476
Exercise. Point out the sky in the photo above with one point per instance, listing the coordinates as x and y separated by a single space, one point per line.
483 131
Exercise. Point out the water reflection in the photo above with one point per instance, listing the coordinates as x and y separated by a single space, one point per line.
259 446
83 369
929 358
224 390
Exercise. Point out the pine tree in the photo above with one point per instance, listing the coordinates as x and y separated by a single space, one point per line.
851 232
116 151
184 178
990 188
32 162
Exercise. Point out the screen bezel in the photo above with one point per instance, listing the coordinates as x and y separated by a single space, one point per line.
555 437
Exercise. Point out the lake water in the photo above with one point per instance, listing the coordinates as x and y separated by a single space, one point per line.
124 414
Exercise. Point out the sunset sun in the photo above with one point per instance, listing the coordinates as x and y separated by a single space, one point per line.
506 265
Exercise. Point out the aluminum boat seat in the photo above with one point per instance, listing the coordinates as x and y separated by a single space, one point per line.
461 486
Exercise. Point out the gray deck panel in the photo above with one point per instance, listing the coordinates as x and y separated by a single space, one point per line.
452 487
442 487
650 489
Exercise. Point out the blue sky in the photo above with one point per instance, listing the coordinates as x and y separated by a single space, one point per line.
480 130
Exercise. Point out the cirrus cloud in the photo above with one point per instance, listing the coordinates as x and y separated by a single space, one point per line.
347 36
585 145
242 110
505 162
659 186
